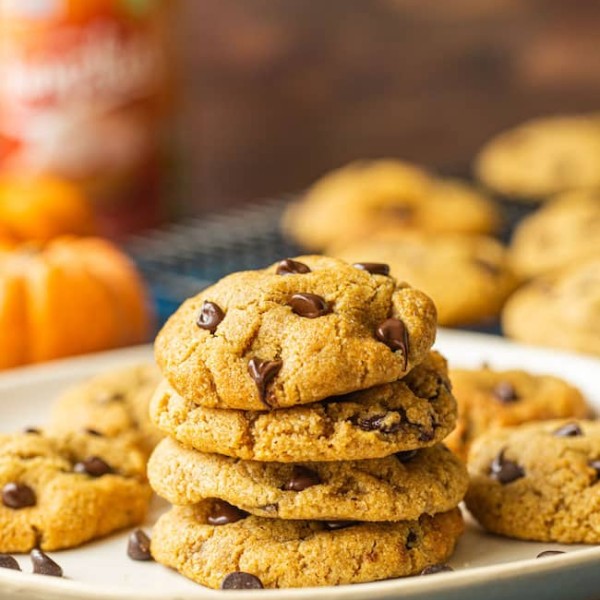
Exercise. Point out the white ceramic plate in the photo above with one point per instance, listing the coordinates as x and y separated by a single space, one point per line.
486 566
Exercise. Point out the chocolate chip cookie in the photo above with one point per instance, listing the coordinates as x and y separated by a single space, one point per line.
297 332
367 196
487 398
468 277
561 310
114 404
60 492
399 487
564 232
219 546
415 412
543 157
538 481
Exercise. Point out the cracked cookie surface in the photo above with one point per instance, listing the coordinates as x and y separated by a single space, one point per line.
538 481
395 488
297 332
414 412
60 492
487 398
300 553
114 404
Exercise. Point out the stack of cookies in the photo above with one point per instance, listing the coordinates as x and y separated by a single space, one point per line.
305 410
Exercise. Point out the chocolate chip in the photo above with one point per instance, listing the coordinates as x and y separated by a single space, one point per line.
93 466
223 513
505 392
18 495
44 565
210 316
263 372
302 478
9 562
138 546
406 456
568 430
93 432
33 430
433 569
411 540
547 553
595 464
426 435
376 423
238 580
335 525
310 306
504 470
373 268
393 334
291 267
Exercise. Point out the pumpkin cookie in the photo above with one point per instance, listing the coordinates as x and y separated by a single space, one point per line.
414 412
538 481
399 487
435 265
564 232
212 541
297 332
60 492
114 404
562 310
542 157
488 398
365 197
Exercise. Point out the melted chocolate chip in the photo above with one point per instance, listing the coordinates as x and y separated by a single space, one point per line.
138 546
393 334
505 392
33 431
223 513
406 456
238 580
411 540
373 268
568 430
302 478
335 525
44 565
291 267
595 464
310 306
433 569
426 435
93 432
93 466
376 423
504 470
547 553
8 562
210 316
18 495
263 372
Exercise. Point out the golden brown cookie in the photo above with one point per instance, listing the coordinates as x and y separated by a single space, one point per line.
468 277
281 554
396 488
538 481
487 398
564 232
114 404
297 332
366 197
61 492
561 310
542 157
415 412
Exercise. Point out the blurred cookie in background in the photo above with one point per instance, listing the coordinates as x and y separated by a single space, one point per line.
562 310
563 232
364 197
468 277
489 398
542 157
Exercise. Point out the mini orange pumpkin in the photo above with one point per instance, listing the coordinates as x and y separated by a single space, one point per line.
73 296
41 208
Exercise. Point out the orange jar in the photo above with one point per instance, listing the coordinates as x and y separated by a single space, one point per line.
83 90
